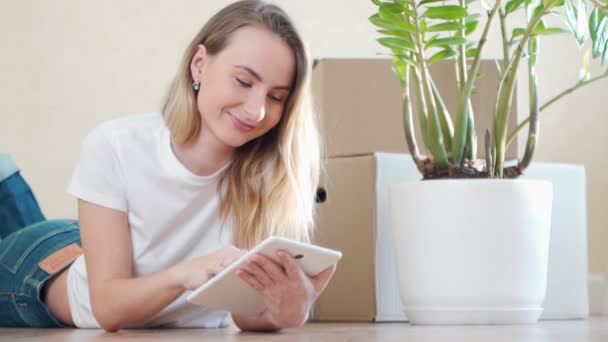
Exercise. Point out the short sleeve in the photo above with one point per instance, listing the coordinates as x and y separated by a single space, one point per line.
97 177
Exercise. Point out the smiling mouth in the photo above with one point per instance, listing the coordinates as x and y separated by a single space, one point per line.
240 124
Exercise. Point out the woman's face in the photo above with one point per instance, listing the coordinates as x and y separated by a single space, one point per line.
245 86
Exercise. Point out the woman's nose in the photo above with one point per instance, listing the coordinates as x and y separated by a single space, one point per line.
255 107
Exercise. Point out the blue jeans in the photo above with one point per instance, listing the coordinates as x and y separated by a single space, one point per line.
28 240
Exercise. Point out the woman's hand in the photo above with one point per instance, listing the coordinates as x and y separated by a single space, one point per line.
191 274
288 293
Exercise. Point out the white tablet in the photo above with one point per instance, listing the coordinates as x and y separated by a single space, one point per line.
226 291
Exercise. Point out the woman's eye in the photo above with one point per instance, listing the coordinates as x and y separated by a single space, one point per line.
275 98
243 83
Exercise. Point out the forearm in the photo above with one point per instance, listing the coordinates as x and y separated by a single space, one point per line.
126 302
254 323
262 322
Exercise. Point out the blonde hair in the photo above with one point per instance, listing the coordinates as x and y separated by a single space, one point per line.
270 186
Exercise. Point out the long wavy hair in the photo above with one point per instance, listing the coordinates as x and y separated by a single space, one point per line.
270 186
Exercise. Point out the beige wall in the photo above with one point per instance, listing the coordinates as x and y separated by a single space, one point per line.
67 65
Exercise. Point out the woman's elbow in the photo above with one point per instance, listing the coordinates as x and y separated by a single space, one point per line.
106 319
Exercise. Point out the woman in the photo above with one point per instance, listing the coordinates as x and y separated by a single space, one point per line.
165 201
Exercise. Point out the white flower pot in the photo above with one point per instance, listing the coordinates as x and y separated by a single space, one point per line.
472 251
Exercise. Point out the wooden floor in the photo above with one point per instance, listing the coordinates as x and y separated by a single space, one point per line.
595 330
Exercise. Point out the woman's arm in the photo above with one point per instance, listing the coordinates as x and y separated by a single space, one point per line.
119 299
287 292
254 323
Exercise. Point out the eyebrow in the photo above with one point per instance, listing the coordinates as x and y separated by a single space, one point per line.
258 77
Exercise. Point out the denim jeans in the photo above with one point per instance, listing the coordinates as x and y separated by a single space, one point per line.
29 245
18 206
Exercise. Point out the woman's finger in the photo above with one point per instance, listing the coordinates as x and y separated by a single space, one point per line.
259 273
272 269
250 279
320 280
292 269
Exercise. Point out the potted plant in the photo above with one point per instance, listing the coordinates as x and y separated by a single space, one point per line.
472 241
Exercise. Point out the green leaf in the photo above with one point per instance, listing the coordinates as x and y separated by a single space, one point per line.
399 68
392 25
471 23
518 31
394 7
576 17
394 33
594 21
445 42
471 26
581 28
534 13
389 16
549 30
396 44
449 12
513 5
598 25
423 26
424 2
409 60
448 26
570 15
471 52
558 3
601 43
391 12
605 55
377 2
443 54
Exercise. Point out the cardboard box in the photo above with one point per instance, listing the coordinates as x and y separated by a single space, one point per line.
567 292
360 104
355 219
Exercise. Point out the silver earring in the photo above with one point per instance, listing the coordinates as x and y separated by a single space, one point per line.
196 85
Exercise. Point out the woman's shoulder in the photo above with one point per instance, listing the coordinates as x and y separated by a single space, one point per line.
130 126
130 130
129 123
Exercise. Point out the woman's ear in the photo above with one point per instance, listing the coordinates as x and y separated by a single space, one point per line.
199 59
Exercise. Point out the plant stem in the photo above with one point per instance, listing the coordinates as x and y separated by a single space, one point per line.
436 137
505 43
470 135
465 93
421 107
513 134
408 122
488 144
505 93
533 91
462 55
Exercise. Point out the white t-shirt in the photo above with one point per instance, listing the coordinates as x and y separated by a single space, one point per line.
127 164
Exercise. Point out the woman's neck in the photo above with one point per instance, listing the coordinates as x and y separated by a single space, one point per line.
205 156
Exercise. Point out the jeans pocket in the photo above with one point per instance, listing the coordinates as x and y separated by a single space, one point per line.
34 243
